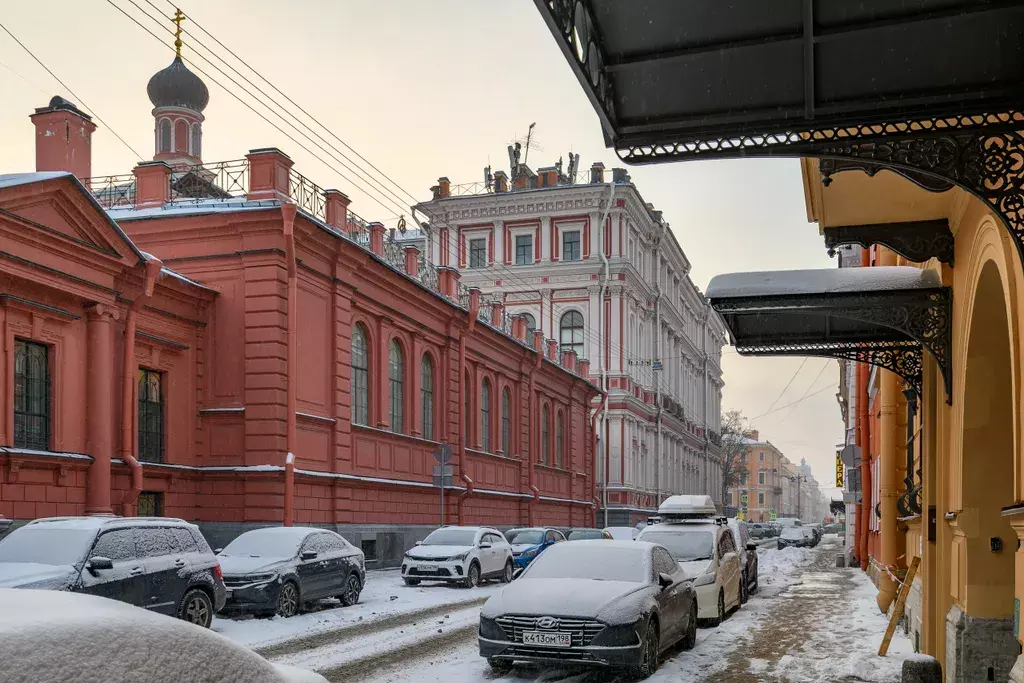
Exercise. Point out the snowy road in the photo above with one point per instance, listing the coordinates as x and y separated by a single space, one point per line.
808 622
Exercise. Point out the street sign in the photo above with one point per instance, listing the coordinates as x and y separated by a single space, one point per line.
851 455
740 515
853 497
743 498
771 516
853 479
443 475
443 454
840 470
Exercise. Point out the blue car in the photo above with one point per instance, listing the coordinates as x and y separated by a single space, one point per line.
529 542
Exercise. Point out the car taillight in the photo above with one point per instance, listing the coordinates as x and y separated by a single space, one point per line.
217 573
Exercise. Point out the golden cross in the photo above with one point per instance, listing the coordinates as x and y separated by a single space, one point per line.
178 18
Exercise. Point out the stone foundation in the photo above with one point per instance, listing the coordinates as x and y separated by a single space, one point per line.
913 614
979 650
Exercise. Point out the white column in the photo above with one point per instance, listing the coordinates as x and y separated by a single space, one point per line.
617 325
595 335
547 325
545 238
595 235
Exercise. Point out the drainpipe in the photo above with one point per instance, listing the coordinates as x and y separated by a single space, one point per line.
704 397
463 432
657 373
288 215
596 440
605 274
534 446
128 388
465 494
888 488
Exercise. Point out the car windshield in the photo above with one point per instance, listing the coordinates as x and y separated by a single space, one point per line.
585 534
46 545
265 543
525 536
792 533
450 537
585 561
684 546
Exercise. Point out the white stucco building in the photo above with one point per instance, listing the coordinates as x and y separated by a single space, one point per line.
600 271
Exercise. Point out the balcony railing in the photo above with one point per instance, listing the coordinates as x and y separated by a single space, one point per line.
112 191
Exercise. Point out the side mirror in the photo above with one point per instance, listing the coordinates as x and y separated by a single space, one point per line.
96 563
308 555
484 545
517 573
218 551
664 580
418 543
752 546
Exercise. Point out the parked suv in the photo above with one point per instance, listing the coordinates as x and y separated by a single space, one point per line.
529 542
459 554
162 564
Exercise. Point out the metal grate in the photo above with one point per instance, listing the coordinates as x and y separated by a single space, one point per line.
112 190
151 416
151 504
220 180
308 196
31 395
583 631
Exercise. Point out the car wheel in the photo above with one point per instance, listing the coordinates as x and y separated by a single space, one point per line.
352 589
288 600
756 584
499 666
411 582
743 589
651 652
690 638
473 576
196 608
721 610
506 576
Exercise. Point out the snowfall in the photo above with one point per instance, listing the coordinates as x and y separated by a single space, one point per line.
808 622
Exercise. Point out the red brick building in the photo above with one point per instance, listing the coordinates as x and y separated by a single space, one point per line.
172 337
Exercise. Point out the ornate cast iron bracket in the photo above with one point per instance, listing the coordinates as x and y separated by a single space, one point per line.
829 167
916 241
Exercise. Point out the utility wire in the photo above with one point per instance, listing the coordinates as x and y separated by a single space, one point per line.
781 393
813 382
71 92
809 396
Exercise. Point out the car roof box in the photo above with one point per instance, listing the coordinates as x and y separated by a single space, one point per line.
687 507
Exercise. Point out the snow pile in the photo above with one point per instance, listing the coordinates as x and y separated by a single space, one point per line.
60 637
821 281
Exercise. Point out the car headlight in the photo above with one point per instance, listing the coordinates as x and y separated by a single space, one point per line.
704 579
489 629
461 557
617 636
528 554
260 578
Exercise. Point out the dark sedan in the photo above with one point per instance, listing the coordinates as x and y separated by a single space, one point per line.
612 603
280 569
589 535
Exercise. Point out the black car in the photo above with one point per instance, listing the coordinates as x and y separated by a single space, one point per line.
582 534
280 569
162 564
608 603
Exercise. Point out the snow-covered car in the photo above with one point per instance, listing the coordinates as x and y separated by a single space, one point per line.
162 564
623 533
60 636
588 535
811 536
459 554
611 603
748 558
792 536
276 570
705 548
529 542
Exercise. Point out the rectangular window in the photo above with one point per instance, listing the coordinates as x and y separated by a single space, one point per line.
760 499
478 253
151 416
369 548
31 395
571 245
151 504
760 456
743 478
760 478
524 250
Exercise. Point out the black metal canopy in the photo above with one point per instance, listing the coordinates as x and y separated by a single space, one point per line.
837 314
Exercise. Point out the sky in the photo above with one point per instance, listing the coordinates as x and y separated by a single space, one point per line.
422 90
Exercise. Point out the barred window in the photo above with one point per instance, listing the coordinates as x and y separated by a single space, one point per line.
360 377
31 395
506 431
545 417
427 396
559 440
485 415
151 504
396 374
151 416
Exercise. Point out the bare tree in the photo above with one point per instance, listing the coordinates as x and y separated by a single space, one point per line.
734 451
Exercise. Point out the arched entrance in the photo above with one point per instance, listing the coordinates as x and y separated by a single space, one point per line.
980 622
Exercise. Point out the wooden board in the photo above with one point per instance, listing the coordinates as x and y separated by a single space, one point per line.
901 601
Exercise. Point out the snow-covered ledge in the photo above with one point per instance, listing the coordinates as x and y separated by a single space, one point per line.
821 281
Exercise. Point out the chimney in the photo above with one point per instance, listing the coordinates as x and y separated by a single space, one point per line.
526 178
597 173
377 238
500 181
336 209
569 360
584 368
547 176
497 314
444 188
519 327
552 349
412 260
620 175
538 341
753 434
63 138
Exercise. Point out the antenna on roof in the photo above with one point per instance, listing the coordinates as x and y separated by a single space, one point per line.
529 138
574 165
488 178
513 159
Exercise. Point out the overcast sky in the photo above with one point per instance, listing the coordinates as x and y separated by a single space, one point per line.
422 90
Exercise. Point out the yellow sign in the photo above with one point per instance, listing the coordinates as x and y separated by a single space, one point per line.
840 470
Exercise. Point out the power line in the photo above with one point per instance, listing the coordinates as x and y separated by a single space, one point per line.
781 393
71 92
809 396
813 382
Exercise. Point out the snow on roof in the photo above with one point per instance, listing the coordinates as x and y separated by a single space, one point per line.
178 276
62 636
190 207
15 179
821 281
95 522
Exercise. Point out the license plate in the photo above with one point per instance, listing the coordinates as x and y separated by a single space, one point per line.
556 639
428 568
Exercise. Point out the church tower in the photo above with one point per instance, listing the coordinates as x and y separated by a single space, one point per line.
178 97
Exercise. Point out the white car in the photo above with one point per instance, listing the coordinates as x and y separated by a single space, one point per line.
623 533
459 554
704 546
62 636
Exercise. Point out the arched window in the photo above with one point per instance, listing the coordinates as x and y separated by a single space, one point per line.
485 416
360 377
545 417
559 440
181 136
396 371
571 330
531 322
197 135
506 431
427 396
165 135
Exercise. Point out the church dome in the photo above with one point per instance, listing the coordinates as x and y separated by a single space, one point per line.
176 86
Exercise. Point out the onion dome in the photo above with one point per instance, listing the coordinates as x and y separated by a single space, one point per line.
176 86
